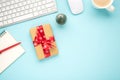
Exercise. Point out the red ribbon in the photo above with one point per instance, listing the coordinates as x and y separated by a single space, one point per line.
40 38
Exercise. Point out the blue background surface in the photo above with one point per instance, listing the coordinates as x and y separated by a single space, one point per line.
89 47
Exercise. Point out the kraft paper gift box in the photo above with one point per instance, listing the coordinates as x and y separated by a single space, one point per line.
44 41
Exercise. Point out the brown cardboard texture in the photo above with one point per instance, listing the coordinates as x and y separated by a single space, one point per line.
48 33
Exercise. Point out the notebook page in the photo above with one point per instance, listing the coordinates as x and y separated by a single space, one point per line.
9 56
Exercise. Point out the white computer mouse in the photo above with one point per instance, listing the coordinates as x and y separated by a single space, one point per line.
76 6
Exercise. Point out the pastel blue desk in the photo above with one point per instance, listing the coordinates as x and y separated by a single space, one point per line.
89 47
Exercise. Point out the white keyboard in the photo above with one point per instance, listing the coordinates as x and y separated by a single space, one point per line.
13 11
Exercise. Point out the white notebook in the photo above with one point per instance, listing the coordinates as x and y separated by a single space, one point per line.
8 56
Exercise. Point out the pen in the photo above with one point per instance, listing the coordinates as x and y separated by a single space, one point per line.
1 51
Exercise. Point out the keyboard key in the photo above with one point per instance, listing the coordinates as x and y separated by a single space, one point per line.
12 2
1 24
16 1
40 12
9 16
31 5
8 3
42 7
36 13
13 15
24 3
34 9
4 4
4 18
44 11
9 12
20 4
43 2
0 19
39 3
50 4
0 5
15 5
18 9
3 9
1 14
23 17
17 14
38 8
11 7
35 4
49 1
5 22
7 8
5 13
21 13
22 8
28 2
14 10
9 21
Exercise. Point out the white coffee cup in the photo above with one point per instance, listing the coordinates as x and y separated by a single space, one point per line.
107 6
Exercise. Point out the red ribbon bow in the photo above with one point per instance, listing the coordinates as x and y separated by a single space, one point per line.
41 39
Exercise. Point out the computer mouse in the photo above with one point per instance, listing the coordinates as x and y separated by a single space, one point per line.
76 6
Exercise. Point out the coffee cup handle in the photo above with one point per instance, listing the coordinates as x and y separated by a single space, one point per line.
111 8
